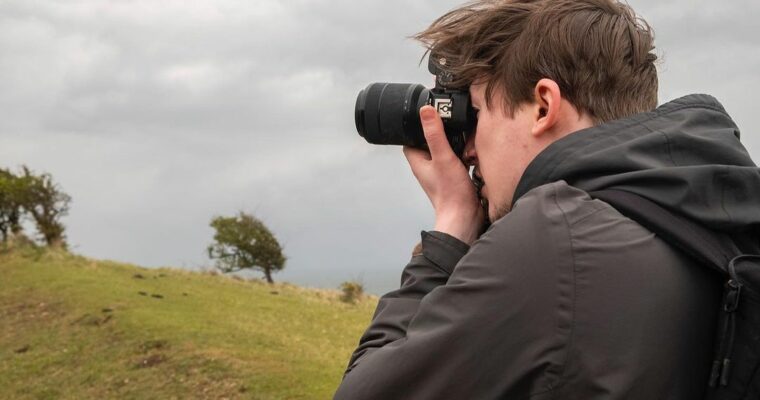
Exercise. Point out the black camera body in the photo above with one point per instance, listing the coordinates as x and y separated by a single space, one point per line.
388 113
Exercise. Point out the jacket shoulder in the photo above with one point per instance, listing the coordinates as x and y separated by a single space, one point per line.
553 201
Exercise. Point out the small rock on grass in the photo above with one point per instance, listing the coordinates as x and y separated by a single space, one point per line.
22 349
153 359
157 344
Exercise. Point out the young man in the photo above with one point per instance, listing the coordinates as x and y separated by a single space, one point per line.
562 297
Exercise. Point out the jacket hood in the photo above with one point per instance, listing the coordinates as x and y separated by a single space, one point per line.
685 156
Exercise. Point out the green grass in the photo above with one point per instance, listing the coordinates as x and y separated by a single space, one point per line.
75 328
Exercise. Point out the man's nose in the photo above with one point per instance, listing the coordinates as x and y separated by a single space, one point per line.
469 156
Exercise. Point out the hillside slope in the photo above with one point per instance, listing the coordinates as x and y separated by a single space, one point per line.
75 328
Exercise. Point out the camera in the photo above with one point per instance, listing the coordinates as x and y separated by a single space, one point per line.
389 113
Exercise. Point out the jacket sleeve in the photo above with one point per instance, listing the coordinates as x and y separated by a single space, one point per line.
494 326
428 269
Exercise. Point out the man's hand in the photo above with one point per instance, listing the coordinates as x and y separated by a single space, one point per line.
446 181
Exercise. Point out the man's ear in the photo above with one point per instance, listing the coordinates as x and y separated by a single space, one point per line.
547 99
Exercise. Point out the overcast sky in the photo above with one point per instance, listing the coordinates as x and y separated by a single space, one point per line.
156 116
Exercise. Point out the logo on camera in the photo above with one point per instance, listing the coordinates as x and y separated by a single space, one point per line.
443 106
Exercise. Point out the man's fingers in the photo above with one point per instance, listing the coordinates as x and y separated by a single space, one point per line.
416 156
418 161
434 133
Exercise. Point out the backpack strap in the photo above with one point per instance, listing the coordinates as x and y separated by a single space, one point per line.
714 249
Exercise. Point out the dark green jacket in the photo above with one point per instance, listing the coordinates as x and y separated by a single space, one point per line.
565 298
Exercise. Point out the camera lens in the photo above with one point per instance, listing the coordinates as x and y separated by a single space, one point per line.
388 113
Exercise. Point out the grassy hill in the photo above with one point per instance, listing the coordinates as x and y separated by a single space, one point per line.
75 328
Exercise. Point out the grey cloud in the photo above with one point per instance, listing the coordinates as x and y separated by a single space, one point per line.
141 69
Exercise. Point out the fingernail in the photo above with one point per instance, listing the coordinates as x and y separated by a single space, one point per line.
427 114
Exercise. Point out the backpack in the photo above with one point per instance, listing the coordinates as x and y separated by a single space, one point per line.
735 371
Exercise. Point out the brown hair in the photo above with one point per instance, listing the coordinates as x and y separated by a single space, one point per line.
598 51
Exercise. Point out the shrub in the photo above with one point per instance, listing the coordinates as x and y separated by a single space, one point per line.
352 292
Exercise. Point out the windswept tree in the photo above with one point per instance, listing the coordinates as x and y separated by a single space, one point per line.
46 203
244 242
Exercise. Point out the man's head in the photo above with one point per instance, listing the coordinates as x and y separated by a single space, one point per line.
539 70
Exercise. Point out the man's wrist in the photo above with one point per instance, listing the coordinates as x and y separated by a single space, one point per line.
461 227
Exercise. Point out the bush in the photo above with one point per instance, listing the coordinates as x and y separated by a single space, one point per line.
352 292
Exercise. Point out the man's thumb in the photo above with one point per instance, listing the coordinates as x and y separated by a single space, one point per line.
435 136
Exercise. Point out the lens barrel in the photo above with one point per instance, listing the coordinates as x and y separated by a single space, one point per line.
388 113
